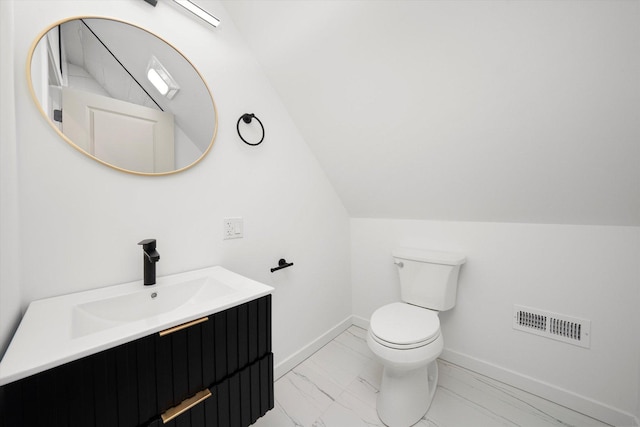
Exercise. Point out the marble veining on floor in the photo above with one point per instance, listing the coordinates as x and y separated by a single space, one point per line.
337 387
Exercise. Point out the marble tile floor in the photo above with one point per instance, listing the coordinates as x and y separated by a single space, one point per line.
337 387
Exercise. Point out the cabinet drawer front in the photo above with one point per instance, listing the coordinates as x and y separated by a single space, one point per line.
242 398
237 401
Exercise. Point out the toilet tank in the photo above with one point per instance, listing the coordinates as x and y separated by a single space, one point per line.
428 279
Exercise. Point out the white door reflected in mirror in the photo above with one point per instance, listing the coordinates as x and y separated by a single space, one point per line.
120 133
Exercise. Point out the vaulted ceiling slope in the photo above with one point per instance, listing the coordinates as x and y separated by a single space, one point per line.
505 111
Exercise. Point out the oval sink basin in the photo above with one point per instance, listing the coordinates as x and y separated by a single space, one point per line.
95 316
58 330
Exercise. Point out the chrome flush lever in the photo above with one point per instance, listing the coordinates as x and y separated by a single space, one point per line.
400 264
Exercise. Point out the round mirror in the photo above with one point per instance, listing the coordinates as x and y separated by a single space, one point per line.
122 95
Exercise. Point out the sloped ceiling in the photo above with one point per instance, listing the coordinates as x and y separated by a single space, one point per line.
504 111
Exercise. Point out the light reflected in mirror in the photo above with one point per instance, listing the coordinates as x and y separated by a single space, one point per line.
122 95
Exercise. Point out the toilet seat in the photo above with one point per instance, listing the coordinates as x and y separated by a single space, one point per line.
404 326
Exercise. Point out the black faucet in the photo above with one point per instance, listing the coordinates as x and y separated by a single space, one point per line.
149 258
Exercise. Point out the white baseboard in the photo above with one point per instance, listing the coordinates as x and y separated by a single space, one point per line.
298 357
360 322
576 402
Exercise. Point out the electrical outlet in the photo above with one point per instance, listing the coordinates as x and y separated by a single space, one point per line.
232 228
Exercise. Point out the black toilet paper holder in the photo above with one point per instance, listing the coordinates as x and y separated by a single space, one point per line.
282 263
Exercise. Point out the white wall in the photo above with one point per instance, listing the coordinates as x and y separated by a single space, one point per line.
500 111
590 272
9 218
81 221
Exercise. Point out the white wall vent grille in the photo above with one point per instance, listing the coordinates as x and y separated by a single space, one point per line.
559 327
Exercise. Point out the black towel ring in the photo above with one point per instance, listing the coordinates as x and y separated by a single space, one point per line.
247 119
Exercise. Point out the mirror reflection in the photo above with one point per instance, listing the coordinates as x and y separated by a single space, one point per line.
122 95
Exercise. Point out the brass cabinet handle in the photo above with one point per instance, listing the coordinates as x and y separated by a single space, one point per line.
183 326
185 405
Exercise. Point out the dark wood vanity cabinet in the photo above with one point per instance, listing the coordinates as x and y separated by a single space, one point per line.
228 356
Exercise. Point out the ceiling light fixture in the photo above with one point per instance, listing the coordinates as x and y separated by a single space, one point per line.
199 12
161 79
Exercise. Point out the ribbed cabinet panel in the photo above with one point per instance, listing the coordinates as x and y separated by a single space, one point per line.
237 401
132 384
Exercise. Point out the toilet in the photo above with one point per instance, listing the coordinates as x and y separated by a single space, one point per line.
405 336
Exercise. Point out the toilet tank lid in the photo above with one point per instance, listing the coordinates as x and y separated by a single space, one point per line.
434 257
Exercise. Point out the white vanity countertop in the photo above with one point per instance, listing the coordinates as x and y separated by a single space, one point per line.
61 329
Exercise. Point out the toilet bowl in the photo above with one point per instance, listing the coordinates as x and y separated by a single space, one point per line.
406 340
405 336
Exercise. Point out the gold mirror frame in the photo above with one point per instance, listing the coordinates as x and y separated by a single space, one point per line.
30 57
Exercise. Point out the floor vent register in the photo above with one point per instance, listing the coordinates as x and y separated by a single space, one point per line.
559 327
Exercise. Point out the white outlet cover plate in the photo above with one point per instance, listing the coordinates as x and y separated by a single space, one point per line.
233 228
